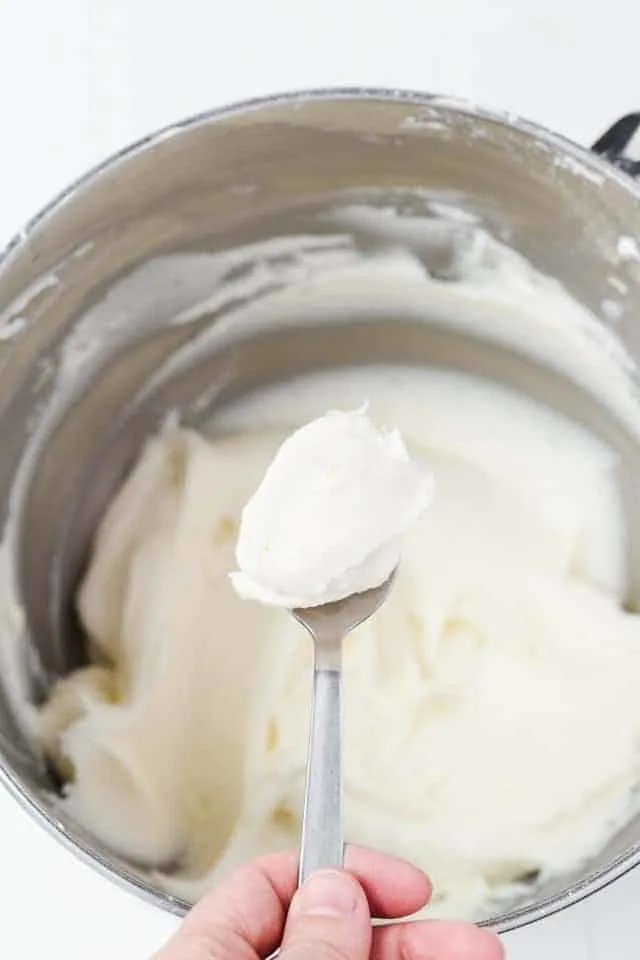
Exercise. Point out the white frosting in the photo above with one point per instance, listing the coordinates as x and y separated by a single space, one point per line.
328 519
186 741
492 719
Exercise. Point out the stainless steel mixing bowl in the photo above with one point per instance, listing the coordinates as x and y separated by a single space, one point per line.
218 181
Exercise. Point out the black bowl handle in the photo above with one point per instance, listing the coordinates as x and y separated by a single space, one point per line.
612 145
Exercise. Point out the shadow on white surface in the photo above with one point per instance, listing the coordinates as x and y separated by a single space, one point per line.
55 906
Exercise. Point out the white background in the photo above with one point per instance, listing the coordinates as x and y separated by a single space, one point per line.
80 78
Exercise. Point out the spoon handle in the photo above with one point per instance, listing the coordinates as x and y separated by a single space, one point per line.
322 830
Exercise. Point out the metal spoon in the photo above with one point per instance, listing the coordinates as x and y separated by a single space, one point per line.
322 829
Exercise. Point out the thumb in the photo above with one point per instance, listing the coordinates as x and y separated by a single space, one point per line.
328 918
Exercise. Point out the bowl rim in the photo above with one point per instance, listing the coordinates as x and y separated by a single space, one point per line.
76 839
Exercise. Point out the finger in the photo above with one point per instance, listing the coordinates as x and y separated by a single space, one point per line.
439 939
251 904
329 919
242 918
394 888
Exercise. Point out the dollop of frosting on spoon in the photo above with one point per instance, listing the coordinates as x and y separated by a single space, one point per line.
329 517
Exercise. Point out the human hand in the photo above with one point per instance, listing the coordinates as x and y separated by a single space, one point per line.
329 918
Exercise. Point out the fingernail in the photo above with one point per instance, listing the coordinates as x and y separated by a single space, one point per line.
327 893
